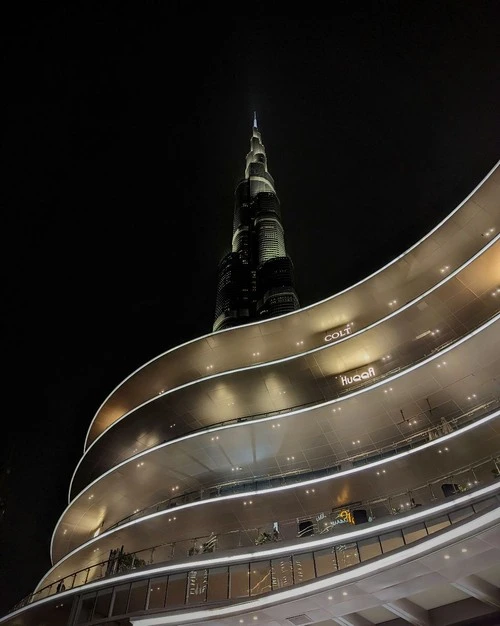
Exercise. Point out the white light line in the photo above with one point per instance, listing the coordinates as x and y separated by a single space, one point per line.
315 304
301 485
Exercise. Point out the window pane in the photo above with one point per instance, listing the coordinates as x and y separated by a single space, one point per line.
415 532
369 548
197 586
157 591
260 577
86 606
121 599
282 575
437 524
138 593
391 541
303 567
347 555
238 581
176 590
103 603
218 580
326 561
457 516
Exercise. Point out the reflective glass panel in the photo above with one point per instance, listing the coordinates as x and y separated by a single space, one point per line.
238 581
260 577
218 580
157 591
347 555
281 570
86 607
120 600
103 602
303 567
197 586
369 548
326 561
176 590
391 541
138 594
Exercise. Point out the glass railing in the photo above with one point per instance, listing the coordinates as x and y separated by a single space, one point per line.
454 422
201 586
322 523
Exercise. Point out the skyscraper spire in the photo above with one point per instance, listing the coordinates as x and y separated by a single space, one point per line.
255 280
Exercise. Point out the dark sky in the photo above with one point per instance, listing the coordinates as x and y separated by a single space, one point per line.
125 130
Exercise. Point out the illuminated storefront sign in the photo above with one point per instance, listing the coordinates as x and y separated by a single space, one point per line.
343 517
337 334
357 378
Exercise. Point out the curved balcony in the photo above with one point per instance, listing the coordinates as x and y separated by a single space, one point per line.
247 580
201 461
447 247
429 324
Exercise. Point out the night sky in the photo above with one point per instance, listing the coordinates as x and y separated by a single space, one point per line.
125 131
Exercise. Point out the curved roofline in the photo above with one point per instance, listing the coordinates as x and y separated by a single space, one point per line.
298 310
317 543
282 359
357 392
299 485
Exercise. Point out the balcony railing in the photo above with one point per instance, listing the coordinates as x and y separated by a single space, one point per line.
246 579
466 479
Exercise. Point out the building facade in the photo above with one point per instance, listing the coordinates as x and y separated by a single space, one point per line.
256 279
337 464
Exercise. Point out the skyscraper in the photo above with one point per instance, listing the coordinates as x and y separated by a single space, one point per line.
255 280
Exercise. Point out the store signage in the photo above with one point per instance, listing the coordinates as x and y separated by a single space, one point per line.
337 334
357 378
343 517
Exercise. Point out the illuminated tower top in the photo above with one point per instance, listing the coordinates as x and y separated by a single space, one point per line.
256 278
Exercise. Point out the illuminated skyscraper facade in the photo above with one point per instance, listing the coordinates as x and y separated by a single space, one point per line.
256 279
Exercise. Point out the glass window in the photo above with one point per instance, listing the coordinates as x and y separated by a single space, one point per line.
260 577
326 561
457 516
120 600
303 567
157 592
347 555
86 607
218 580
103 603
369 548
437 523
176 590
415 532
138 593
392 541
281 571
197 586
238 581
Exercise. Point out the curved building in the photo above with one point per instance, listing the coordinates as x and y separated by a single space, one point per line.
335 464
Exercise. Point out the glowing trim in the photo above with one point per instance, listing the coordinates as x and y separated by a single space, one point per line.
347 575
376 384
246 494
478 186
351 535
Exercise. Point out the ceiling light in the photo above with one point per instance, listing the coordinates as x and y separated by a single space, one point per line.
344 593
